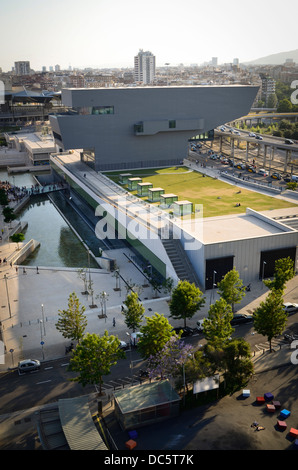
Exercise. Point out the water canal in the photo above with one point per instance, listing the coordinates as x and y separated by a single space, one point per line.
59 244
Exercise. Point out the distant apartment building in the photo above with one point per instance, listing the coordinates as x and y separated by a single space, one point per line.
267 88
144 67
76 81
214 61
22 67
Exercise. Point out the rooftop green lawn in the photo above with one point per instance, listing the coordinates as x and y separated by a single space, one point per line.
217 197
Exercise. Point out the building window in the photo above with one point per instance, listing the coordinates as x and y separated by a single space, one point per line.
103 110
138 128
172 124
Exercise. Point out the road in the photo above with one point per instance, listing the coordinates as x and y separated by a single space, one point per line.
52 381
272 165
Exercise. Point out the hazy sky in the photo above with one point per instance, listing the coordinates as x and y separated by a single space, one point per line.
109 33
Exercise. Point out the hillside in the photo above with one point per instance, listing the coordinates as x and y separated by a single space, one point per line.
275 59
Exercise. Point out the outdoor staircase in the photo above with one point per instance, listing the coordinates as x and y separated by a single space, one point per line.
180 261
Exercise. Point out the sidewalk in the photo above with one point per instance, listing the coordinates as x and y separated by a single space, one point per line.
30 311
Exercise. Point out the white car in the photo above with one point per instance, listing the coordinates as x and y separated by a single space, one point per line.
290 308
263 172
251 134
237 132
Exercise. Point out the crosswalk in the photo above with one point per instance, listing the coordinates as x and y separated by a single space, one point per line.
111 385
276 343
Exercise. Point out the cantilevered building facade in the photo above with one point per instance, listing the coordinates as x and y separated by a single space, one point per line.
123 128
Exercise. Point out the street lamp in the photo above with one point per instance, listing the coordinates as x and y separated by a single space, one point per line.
263 271
41 341
213 285
5 278
43 320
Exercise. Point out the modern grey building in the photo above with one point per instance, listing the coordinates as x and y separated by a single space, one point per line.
137 127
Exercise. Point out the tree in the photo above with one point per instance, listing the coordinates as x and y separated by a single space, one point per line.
186 300
231 288
72 321
134 311
217 327
94 357
238 364
284 106
167 362
3 197
8 214
17 238
155 333
283 271
270 318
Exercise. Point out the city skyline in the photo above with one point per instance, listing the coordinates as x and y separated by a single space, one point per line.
102 34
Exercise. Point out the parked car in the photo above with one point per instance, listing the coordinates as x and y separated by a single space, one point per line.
135 338
240 318
251 169
276 176
186 331
241 166
123 345
28 365
290 308
262 172
200 325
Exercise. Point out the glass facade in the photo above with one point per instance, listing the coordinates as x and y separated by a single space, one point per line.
98 110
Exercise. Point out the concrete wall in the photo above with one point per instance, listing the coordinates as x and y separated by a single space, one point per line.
113 137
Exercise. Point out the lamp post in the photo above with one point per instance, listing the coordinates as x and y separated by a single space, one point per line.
41 341
263 272
43 320
213 285
5 278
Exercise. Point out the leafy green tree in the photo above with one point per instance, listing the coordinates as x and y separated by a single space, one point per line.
155 333
94 357
237 362
3 197
231 288
8 214
283 271
270 318
72 322
134 311
17 238
186 300
217 327
284 106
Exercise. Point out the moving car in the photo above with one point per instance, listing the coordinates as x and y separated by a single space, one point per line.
252 134
288 141
28 365
259 137
240 318
290 308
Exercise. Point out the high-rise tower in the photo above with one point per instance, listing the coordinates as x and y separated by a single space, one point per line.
144 67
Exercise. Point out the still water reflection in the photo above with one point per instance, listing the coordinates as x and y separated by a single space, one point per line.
59 244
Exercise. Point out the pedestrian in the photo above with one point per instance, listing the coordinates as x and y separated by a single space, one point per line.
37 272
114 322
17 269
24 271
